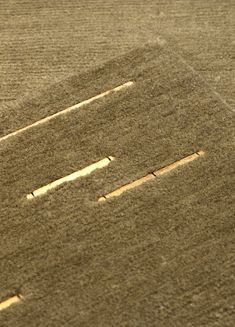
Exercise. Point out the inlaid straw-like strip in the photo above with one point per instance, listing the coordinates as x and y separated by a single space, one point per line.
12 300
69 109
152 175
83 172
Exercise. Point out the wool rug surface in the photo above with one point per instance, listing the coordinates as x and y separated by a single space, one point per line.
117 182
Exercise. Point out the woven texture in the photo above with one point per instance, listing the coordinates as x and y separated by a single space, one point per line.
162 253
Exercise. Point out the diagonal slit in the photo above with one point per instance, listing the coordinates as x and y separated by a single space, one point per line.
83 172
69 109
152 175
12 300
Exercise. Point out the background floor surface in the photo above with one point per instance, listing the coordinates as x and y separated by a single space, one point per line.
161 254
